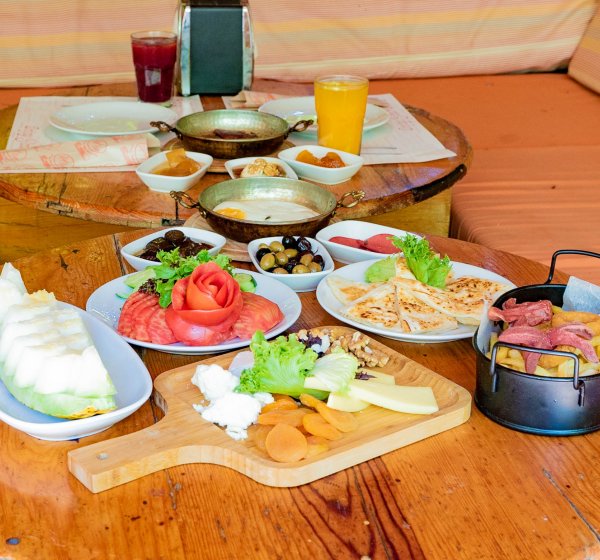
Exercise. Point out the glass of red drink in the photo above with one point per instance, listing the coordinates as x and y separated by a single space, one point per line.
154 56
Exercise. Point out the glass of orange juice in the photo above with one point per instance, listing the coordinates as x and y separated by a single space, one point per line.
341 102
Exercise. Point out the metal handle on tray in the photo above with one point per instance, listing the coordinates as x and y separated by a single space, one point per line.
567 252
578 384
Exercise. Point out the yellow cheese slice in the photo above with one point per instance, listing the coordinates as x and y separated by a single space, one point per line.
400 398
339 401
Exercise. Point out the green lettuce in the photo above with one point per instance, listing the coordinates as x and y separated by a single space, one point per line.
280 366
382 270
333 372
423 262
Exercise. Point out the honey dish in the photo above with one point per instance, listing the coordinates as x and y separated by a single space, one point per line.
350 164
147 172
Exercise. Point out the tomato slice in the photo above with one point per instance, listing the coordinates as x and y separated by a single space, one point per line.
258 314
194 335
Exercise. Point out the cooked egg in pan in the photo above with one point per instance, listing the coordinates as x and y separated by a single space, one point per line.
264 210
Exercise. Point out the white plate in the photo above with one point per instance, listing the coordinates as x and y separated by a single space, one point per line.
105 304
127 371
131 250
357 230
110 118
356 272
294 109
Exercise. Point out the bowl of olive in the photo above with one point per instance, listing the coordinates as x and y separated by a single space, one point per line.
142 252
297 261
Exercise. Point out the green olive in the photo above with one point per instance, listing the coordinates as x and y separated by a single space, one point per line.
263 246
314 267
306 259
300 269
276 246
279 270
291 253
267 262
281 258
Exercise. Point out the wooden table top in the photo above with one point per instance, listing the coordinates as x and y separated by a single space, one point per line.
476 491
121 198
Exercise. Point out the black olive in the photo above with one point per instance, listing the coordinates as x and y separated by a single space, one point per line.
319 260
175 236
262 252
304 244
289 242
293 262
289 266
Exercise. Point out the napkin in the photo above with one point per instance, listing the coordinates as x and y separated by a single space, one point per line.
249 99
107 151
581 295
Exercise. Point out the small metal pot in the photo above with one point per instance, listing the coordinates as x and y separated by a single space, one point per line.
552 406
197 132
268 189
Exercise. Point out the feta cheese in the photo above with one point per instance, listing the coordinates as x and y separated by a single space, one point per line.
226 408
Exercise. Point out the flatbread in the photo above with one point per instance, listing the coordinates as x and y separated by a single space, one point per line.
347 291
402 270
377 308
464 299
418 317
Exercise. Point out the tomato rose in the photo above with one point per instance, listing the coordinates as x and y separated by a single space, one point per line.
258 314
210 297
194 335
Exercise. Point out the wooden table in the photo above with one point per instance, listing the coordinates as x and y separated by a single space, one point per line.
476 491
121 198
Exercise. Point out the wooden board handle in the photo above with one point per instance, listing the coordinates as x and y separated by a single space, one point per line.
109 463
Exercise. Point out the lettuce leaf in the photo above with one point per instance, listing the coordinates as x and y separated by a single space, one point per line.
423 262
279 366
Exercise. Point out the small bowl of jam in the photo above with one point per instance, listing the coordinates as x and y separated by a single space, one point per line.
321 164
175 170
142 252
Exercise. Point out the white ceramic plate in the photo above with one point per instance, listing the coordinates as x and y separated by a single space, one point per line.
110 118
357 230
235 166
127 371
294 109
131 250
105 304
297 282
356 272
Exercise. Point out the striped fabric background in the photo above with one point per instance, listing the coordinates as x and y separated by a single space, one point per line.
585 65
45 43
297 40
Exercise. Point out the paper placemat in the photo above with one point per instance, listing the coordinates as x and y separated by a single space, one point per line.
31 126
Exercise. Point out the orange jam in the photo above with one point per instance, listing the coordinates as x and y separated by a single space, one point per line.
330 159
177 165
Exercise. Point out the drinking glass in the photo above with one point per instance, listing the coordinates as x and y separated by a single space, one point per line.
154 56
341 102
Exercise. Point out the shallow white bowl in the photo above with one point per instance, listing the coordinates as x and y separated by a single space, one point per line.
131 250
323 175
297 282
238 164
357 230
165 184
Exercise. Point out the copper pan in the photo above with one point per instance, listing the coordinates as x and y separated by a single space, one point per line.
268 189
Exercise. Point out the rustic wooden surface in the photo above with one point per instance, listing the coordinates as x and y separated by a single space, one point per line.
477 491
121 198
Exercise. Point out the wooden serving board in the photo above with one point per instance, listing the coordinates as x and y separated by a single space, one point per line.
182 436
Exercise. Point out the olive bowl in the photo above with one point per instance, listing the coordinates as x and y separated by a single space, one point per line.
268 189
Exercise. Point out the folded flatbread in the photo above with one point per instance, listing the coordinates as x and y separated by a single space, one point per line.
416 316
376 308
347 291
464 299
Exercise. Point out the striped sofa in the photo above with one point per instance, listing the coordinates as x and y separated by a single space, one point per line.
521 78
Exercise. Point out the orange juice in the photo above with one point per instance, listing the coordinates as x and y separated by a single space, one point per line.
341 102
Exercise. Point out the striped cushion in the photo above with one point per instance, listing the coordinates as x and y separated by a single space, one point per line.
46 43
585 65
415 38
